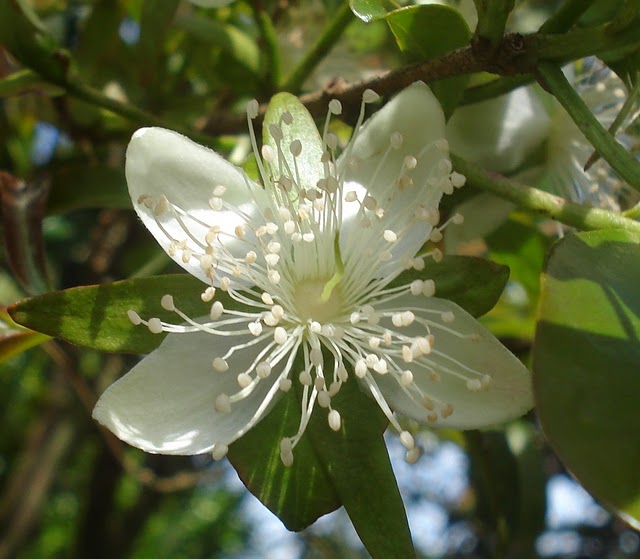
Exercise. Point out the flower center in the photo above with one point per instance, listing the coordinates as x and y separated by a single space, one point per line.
307 300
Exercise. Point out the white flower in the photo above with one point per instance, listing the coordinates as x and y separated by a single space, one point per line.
310 258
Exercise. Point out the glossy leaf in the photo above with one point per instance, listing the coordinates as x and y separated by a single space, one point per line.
96 316
427 31
586 363
370 10
349 467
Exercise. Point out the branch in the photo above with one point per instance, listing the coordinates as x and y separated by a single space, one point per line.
533 199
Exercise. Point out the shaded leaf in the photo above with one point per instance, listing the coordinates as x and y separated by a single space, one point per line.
349 467
427 31
586 356
13 339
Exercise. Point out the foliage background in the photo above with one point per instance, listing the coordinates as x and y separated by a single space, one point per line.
78 77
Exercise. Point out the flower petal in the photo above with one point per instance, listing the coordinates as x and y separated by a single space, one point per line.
501 133
164 163
507 396
416 115
165 404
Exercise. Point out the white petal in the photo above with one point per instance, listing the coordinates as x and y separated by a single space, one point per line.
416 114
162 162
499 134
506 397
165 404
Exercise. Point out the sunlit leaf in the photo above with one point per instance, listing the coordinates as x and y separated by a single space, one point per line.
586 363
370 10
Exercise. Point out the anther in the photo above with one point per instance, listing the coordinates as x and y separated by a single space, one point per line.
216 310
446 410
286 452
244 380
280 335
406 439
447 317
305 379
284 384
458 180
154 325
406 377
219 451
222 403
276 132
263 369
369 96
335 107
220 365
335 420
134 317
396 140
390 236
411 456
253 109
474 384
361 368
324 400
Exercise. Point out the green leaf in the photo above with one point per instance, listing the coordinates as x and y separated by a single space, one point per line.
96 316
349 467
427 31
586 363
473 283
370 10
228 38
302 128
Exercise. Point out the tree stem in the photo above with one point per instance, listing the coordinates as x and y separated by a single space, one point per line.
533 199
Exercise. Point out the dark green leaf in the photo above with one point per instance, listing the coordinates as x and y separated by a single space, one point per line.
586 363
349 467
96 316
473 283
428 31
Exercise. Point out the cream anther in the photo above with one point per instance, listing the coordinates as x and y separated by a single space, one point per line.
250 257
267 153
436 254
429 288
255 328
331 140
435 236
286 452
216 203
410 162
280 335
351 196
162 206
374 343
424 345
446 410
335 421
167 303
406 439
381 367
360 368
274 277
474 384
447 317
369 96
220 365
266 298
305 378
458 180
411 457
239 232
272 259
457 219
390 236
225 283
219 451
324 400
263 369
315 356
216 310
335 107
134 317
284 384
244 380
222 403
407 354
406 378
253 109
154 325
